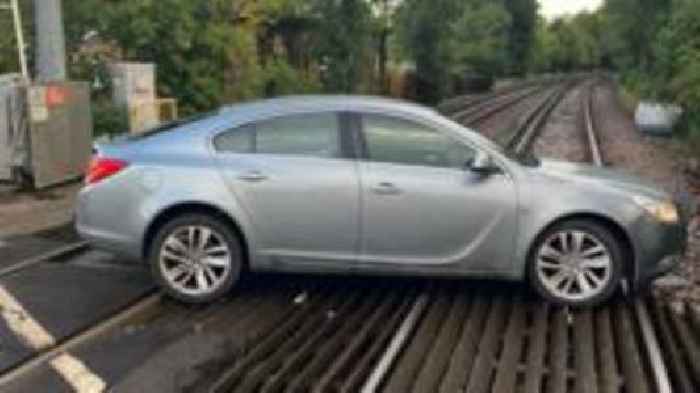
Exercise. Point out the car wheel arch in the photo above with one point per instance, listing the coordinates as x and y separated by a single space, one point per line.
170 212
618 231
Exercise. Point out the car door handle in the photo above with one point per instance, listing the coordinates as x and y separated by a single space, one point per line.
386 188
252 176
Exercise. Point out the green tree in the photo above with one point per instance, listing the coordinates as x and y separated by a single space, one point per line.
676 72
424 39
522 32
480 39
571 43
204 50
545 48
630 28
344 47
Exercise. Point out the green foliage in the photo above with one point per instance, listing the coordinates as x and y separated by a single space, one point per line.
447 39
677 68
480 39
630 28
282 79
343 51
522 32
425 40
202 58
108 119
568 44
210 52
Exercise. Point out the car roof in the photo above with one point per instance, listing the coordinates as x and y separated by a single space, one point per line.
187 132
310 103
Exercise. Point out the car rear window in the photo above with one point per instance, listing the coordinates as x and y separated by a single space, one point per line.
169 126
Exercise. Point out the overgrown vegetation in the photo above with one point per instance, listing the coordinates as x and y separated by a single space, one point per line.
212 52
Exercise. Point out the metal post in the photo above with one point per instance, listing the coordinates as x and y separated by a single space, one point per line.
17 21
50 41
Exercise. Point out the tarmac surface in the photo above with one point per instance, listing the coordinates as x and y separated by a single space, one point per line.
99 286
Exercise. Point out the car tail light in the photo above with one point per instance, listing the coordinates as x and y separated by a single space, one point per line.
101 168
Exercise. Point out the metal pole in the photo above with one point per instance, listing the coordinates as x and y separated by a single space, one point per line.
50 41
20 38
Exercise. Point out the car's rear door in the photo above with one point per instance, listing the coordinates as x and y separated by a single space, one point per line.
421 207
294 178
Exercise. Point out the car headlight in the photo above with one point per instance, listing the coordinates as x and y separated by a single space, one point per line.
663 211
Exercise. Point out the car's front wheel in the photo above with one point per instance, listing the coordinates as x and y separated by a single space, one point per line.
576 263
195 258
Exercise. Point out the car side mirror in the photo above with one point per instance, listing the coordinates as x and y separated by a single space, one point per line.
482 163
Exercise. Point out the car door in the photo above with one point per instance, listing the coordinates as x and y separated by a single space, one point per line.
300 191
422 207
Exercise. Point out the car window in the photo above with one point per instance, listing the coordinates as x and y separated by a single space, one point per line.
400 141
306 134
240 140
309 134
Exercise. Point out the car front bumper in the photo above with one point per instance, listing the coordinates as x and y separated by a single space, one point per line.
661 248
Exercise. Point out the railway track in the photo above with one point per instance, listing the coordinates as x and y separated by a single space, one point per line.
672 336
472 105
533 122
329 347
476 113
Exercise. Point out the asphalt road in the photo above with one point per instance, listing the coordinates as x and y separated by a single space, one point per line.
73 296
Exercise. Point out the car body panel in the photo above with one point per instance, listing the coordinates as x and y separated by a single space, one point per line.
306 210
437 216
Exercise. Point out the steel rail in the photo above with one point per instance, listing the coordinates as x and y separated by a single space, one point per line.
488 104
384 365
536 119
454 105
35 260
653 349
489 109
457 104
593 142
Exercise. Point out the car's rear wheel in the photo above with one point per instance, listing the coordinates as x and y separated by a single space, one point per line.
576 263
195 258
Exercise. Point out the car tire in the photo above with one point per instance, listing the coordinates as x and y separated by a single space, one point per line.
189 267
587 275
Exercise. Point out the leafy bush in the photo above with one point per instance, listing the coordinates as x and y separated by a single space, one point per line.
108 119
677 69
281 78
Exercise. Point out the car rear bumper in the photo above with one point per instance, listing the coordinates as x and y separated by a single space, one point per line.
104 234
109 242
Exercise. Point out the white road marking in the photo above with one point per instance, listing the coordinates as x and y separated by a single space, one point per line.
73 371
22 324
77 374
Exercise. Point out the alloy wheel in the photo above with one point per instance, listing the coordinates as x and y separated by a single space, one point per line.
195 259
574 265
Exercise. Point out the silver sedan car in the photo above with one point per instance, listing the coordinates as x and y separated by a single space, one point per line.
361 185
